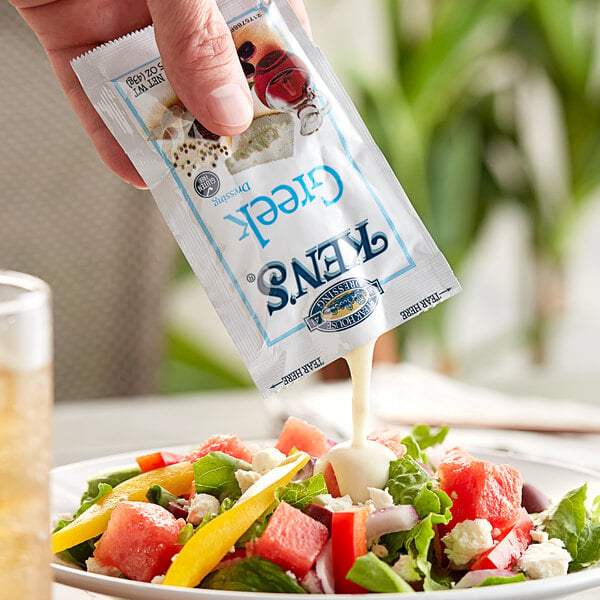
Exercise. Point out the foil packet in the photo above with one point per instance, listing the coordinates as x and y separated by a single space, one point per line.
298 230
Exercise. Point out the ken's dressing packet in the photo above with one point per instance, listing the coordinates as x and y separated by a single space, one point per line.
298 230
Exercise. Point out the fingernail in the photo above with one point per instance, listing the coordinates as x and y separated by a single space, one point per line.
228 105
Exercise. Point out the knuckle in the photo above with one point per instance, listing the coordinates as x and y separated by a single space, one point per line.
209 49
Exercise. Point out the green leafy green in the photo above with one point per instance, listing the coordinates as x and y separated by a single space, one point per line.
433 501
376 576
426 438
410 483
102 490
417 543
516 578
569 521
301 493
215 474
159 495
257 528
187 531
254 574
79 553
112 478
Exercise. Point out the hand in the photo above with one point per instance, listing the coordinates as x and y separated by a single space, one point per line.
198 53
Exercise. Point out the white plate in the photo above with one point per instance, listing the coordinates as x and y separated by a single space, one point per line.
68 484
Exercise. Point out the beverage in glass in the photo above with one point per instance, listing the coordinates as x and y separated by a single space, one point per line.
26 394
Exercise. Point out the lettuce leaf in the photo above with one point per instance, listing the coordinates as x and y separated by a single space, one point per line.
410 483
159 495
301 493
112 478
580 532
426 438
215 474
79 553
254 574
376 576
516 578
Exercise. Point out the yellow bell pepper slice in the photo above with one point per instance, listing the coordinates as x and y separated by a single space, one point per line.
210 543
175 478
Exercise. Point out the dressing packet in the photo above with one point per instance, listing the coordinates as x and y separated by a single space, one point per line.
298 230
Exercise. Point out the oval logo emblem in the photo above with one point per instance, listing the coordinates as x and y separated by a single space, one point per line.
344 305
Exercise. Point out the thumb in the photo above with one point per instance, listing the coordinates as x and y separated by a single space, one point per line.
201 63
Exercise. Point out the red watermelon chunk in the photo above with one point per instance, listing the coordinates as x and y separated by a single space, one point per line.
140 540
299 434
228 444
480 489
390 438
292 540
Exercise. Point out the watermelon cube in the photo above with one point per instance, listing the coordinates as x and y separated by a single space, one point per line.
140 540
299 434
292 540
228 444
480 489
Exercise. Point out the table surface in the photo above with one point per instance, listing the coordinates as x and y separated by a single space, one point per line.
96 428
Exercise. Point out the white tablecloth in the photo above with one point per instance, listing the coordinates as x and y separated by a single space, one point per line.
98 428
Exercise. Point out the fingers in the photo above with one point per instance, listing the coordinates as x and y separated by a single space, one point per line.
201 63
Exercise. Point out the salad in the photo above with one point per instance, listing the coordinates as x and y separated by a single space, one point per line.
231 516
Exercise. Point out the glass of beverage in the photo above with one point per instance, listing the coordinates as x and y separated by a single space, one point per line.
26 395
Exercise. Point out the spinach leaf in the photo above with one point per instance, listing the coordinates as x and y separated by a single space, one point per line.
159 495
376 576
254 574
569 521
516 578
215 474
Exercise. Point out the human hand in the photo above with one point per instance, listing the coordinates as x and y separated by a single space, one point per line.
196 47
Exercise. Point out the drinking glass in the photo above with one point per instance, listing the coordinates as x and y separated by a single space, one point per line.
26 395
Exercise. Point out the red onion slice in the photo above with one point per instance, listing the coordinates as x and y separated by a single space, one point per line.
400 517
473 578
324 568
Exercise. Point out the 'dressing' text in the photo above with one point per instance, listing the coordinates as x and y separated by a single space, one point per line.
257 217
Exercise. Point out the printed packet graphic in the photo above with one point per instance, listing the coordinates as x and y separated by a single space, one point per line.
298 230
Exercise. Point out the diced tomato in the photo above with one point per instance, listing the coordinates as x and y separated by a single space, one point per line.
156 460
291 540
510 546
348 542
228 444
480 489
331 481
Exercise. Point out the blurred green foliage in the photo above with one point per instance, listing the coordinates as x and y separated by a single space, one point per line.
449 117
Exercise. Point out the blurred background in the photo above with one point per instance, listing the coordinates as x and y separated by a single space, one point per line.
488 112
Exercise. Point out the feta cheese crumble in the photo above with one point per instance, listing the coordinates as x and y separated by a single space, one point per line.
200 506
246 478
547 559
266 459
333 504
380 498
467 540
93 565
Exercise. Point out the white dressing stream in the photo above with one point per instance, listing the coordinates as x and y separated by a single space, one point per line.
359 464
